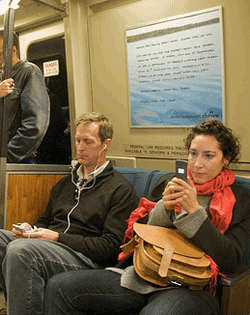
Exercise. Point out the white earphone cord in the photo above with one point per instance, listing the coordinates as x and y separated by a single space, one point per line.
79 190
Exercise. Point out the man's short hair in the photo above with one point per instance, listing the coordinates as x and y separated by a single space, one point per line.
15 40
105 126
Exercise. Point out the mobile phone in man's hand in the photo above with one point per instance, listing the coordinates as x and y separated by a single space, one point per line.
18 227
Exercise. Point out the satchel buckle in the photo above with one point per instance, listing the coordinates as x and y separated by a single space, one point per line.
176 280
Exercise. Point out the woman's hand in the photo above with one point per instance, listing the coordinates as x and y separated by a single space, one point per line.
180 192
169 197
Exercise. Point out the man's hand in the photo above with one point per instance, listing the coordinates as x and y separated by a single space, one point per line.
24 226
41 233
6 87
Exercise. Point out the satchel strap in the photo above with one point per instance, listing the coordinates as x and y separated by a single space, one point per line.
168 252
126 248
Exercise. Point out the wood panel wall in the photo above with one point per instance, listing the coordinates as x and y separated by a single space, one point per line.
28 196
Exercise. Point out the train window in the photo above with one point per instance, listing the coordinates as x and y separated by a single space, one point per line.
55 147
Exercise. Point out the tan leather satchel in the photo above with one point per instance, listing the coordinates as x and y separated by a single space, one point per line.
164 256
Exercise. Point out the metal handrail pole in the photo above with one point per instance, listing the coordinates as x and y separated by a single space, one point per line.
4 111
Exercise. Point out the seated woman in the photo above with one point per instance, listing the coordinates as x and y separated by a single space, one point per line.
214 215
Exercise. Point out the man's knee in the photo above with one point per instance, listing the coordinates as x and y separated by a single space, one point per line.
18 250
6 237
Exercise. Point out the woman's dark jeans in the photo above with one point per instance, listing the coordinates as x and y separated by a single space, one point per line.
96 292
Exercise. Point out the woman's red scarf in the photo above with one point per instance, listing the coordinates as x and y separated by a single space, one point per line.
220 208
223 200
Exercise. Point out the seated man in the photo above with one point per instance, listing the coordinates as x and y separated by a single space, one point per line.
82 227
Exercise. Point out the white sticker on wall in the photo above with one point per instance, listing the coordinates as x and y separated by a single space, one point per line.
51 68
151 150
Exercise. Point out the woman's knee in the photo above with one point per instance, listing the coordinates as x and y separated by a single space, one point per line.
177 301
58 284
70 281
79 290
66 290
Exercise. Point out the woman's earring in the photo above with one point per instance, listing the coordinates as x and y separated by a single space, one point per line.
226 163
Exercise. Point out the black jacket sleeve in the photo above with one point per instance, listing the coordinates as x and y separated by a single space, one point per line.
228 249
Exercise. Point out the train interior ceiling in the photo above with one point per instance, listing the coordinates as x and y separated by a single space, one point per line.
88 39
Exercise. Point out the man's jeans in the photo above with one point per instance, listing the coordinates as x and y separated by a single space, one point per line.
27 264
94 292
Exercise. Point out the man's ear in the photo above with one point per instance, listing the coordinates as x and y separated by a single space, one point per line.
107 142
14 51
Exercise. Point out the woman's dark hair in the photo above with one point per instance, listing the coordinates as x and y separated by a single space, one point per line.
229 143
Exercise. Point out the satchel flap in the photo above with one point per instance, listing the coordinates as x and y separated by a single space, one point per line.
193 261
157 235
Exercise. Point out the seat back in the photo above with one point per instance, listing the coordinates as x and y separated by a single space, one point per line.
139 178
244 182
157 175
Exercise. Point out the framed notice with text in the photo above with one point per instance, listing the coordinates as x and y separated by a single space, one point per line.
176 70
